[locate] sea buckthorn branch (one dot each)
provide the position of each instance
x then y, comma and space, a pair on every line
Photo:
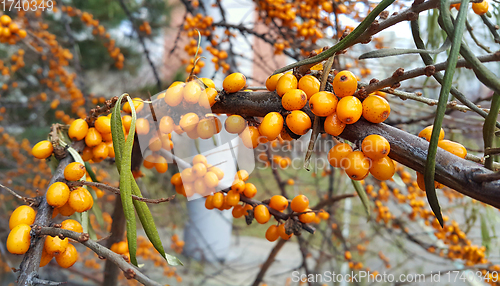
427, 59
475, 39
429, 70
143, 43
111, 270
117, 191
25, 199
492, 28
480, 160
411, 151
480, 178
31, 260
128, 270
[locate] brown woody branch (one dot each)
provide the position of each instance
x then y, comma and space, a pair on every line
130, 271
406, 148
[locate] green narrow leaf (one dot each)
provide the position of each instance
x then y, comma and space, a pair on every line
123, 161
172, 260
362, 195
345, 42
396, 52
485, 235
147, 221
430, 165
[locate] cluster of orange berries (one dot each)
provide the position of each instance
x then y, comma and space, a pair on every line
177, 244
9, 31
372, 158
219, 57
19, 239
225, 201
65, 253
99, 30
202, 178
145, 27
454, 148
98, 139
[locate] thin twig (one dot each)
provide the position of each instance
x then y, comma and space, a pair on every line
117, 191
130, 271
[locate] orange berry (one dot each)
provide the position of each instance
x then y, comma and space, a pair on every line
309, 84
356, 165
174, 94
54, 245
100, 152
285, 83
454, 148
67, 258
199, 170
161, 165
208, 82
199, 186
57, 194
189, 121
480, 8
176, 179
279, 203
272, 233
216, 171
126, 122
250, 137
427, 132
218, 200
209, 202
65, 210
338, 153
261, 214
5, 20
103, 124
323, 215
375, 147
250, 190
242, 175
155, 144
376, 109
42, 149
78, 129
192, 92
238, 186
294, 99
333, 125
93, 137
138, 105
18, 241
299, 204
272, 81
347, 255
349, 109
345, 84
233, 198
142, 126
166, 124
207, 127
199, 159
80, 200
188, 176
382, 169
71, 224
74, 171
298, 122
271, 125
211, 180
235, 124
45, 259
323, 103
307, 217
234, 82
149, 162
208, 97
282, 232
22, 215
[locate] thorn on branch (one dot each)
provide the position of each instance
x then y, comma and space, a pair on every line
486, 177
